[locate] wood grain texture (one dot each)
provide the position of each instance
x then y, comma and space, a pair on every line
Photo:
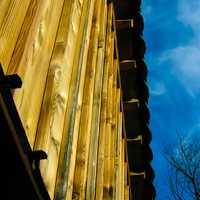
12, 14
100, 166
4, 6
80, 175
122, 169
127, 190
34, 62
118, 158
108, 162
26, 34
115, 112
66, 53
117, 138
64, 185
50, 128
92, 162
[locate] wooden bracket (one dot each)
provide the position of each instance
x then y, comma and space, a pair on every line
127, 65
124, 24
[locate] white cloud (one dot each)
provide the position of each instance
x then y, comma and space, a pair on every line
157, 88
189, 13
186, 66
186, 59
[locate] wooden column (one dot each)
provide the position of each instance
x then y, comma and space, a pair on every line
81, 167
12, 14
70, 103
67, 159
52, 116
34, 61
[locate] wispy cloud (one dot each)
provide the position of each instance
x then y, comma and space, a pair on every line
186, 66
189, 13
172, 33
157, 88
185, 58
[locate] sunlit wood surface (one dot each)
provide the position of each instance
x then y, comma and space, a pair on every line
70, 103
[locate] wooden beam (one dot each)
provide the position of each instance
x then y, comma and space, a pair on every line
130, 105
50, 128
80, 175
65, 176
127, 191
118, 158
122, 168
137, 174
104, 39
139, 138
108, 162
124, 23
12, 14
127, 65
93, 160
34, 63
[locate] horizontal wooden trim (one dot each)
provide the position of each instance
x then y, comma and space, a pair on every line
127, 64
124, 23
132, 101
139, 138
137, 174
128, 105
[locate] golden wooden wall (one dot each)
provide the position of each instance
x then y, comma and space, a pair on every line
70, 105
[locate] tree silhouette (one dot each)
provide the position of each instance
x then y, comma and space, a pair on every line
184, 173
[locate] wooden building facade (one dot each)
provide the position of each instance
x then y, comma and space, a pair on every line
73, 96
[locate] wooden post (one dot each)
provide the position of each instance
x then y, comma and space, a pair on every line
12, 15
92, 162
101, 146
50, 128
80, 175
122, 168
118, 158
116, 110
127, 191
107, 190
34, 63
67, 159
66, 53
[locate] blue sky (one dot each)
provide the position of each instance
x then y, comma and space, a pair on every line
172, 35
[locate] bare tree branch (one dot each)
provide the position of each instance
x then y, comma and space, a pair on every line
184, 177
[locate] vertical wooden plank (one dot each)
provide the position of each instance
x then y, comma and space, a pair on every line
107, 130
80, 175
50, 128
115, 107
127, 189
26, 34
64, 185
11, 19
125, 178
104, 39
108, 172
118, 137
92, 163
34, 63
122, 168
4, 6
119, 158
